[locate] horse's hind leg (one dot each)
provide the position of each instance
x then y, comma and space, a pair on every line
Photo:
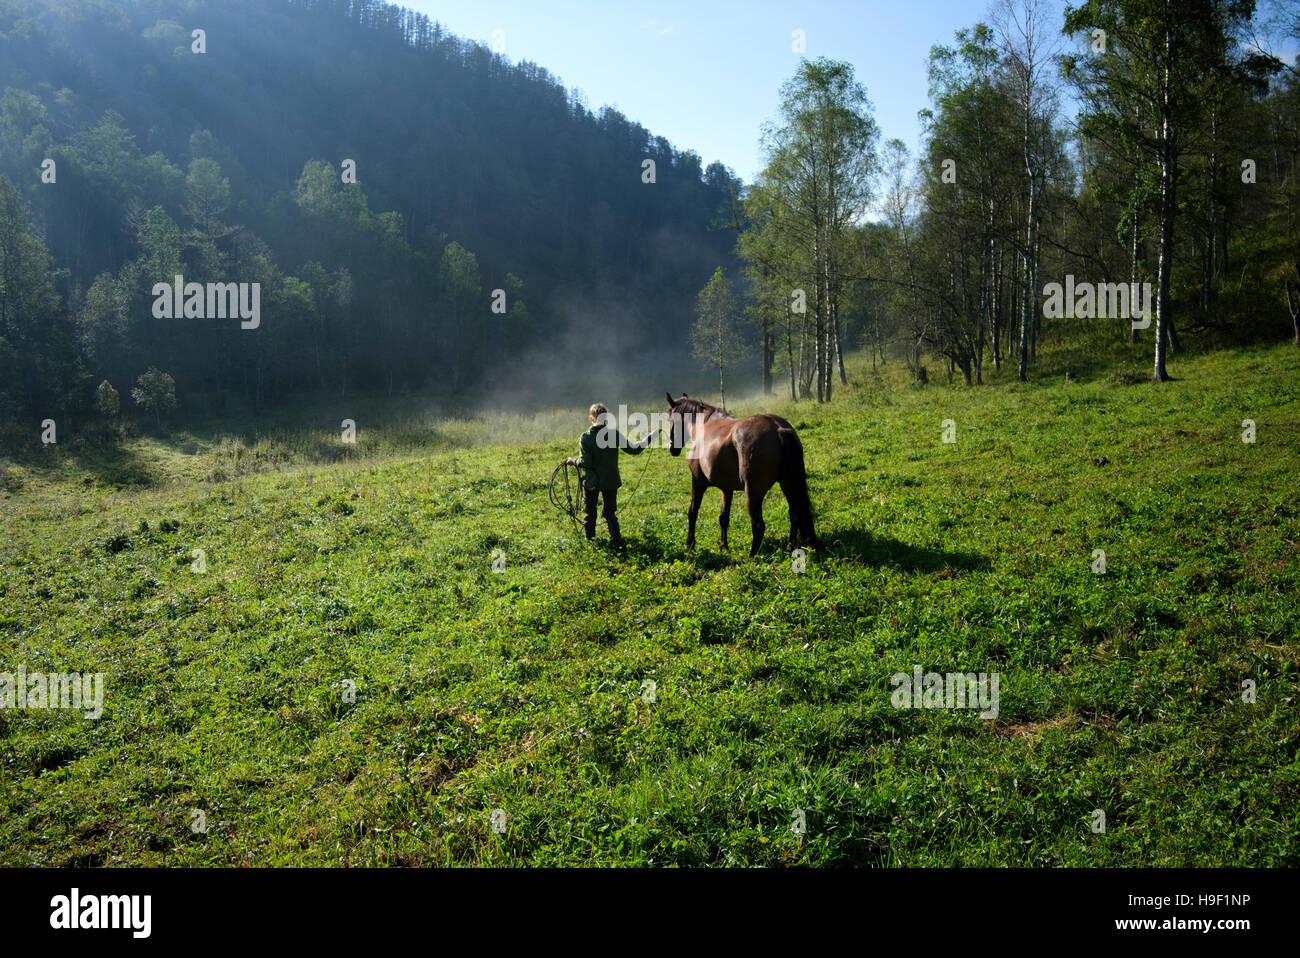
798, 521
809, 534
754, 494
724, 517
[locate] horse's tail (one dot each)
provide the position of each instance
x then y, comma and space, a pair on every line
794, 483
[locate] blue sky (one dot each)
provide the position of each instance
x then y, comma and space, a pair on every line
707, 74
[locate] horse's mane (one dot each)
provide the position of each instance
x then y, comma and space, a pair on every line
696, 407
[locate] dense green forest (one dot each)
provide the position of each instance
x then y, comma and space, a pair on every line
230, 164
419, 214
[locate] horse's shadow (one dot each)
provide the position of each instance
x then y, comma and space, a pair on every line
855, 544
884, 551
653, 547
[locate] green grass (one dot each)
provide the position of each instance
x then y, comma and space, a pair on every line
523, 690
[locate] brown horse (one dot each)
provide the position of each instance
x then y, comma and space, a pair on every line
752, 454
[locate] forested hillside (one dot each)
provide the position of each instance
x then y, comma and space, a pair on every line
133, 150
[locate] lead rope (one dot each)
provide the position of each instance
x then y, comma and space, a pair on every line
645, 468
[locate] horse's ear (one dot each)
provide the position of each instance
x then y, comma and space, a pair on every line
684, 395
671, 401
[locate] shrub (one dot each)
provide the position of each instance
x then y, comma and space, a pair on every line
155, 392
107, 401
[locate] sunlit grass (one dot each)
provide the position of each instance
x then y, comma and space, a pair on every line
526, 690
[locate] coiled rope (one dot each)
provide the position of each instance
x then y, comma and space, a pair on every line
563, 499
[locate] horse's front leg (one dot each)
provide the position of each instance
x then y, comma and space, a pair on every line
697, 496
724, 517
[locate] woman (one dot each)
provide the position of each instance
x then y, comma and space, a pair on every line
598, 457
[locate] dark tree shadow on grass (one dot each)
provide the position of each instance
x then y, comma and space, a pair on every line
101, 459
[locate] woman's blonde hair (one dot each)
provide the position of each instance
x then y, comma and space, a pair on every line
597, 412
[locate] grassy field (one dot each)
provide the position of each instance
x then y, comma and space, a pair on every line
526, 690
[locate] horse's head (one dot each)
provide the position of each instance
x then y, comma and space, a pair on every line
677, 424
